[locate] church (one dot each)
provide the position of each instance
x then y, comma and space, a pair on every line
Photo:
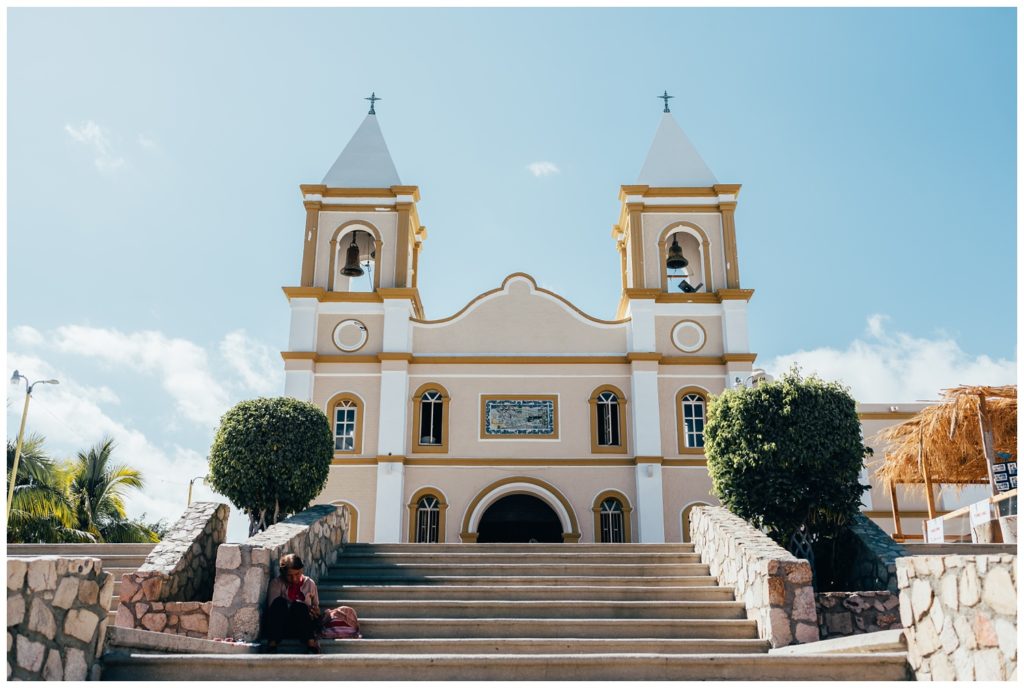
520, 417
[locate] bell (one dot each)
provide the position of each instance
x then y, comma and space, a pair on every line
675, 256
352, 268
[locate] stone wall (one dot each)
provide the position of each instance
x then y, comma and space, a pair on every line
873, 556
244, 570
850, 613
960, 616
162, 595
774, 585
56, 617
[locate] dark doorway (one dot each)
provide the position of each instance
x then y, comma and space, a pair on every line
519, 518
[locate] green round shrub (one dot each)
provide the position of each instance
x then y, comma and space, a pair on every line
271, 457
787, 454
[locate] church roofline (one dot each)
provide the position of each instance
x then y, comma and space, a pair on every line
347, 192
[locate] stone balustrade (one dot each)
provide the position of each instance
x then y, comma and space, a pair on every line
959, 613
774, 585
244, 570
56, 617
170, 592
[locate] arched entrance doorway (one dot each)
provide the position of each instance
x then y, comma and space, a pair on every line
519, 518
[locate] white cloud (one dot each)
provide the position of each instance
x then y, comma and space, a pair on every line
893, 367
98, 139
148, 143
29, 336
181, 366
542, 168
256, 363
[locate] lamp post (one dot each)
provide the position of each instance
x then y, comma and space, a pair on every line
15, 379
190, 483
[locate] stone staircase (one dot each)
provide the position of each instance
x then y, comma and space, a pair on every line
525, 612
118, 558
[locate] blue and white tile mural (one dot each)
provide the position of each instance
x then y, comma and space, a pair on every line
519, 417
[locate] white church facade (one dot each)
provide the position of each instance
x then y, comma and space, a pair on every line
520, 416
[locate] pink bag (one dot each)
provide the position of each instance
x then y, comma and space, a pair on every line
340, 622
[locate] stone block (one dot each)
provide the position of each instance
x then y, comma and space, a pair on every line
229, 557
839, 623
999, 592
804, 608
218, 627
198, 622
920, 597
255, 586
15, 610
988, 666
30, 654
106, 589
101, 636
75, 667
776, 591
152, 587
54, 668
947, 592
963, 665
88, 592
964, 633
67, 590
779, 633
154, 622
926, 638
81, 623
969, 586
124, 618
948, 638
246, 623
42, 574
942, 668
16, 569
129, 588
40, 619
1006, 631
984, 631
225, 588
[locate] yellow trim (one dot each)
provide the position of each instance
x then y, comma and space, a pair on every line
390, 458
572, 536
502, 288
621, 447
331, 407
638, 460
544, 360
732, 261
353, 522
413, 191
303, 292
394, 356
686, 519
642, 356
309, 244
686, 463
677, 191
525, 360
705, 249
441, 448
442, 505
692, 360
353, 462
403, 246
341, 358
636, 245
887, 415
739, 358
672, 336
627, 515
487, 463
735, 294
299, 356
680, 429
484, 398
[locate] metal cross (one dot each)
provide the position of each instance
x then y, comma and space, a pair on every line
665, 97
373, 98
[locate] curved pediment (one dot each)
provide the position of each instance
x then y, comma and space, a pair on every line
519, 318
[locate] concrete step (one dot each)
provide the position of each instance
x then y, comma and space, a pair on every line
365, 571
358, 593
511, 547
80, 550
527, 558
484, 667
396, 628
334, 578
511, 646
540, 609
892, 640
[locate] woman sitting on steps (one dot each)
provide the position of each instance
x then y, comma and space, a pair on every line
293, 606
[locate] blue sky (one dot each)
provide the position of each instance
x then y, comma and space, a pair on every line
154, 158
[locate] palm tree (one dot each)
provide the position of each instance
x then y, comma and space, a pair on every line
40, 509
96, 488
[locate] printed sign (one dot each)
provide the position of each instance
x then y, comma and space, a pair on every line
981, 513
933, 531
1004, 472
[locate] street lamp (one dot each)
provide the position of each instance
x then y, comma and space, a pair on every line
15, 379
190, 483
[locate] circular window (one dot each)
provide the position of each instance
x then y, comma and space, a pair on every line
350, 335
688, 336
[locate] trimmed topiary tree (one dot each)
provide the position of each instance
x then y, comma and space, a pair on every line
271, 458
786, 456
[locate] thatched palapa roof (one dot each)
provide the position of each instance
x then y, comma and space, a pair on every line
948, 437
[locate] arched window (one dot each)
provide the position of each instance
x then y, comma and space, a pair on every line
611, 517
430, 419
427, 516
607, 421
691, 414
346, 414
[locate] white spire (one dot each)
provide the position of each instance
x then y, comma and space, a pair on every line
672, 159
365, 162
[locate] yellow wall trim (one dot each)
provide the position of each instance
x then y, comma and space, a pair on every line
642, 356
391, 459
739, 358
490, 463
886, 415
735, 294
649, 459
299, 355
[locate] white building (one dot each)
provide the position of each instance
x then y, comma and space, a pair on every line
520, 416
